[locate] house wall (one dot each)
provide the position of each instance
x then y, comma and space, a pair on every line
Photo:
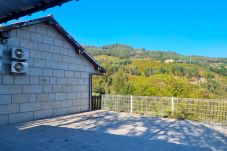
57, 82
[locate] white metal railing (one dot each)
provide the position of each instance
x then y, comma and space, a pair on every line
207, 110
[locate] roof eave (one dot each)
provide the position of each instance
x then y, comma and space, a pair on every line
39, 7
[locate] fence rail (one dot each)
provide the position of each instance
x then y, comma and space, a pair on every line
206, 110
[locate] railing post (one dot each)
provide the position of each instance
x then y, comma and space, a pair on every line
172, 102
131, 104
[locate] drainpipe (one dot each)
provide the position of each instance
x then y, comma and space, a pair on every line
90, 91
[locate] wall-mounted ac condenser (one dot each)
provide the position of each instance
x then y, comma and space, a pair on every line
19, 67
19, 54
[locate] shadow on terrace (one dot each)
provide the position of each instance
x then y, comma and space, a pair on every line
110, 131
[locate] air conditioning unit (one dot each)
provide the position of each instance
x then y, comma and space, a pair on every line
19, 54
19, 67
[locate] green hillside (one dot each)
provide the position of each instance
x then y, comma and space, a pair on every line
159, 73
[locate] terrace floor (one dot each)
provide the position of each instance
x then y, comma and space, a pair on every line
111, 131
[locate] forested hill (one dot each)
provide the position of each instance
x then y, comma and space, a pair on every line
125, 52
161, 73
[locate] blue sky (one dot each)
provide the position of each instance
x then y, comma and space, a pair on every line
190, 27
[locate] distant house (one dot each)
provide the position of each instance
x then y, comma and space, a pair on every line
44, 72
169, 61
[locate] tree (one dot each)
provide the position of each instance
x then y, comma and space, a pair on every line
178, 70
134, 71
163, 70
120, 82
213, 86
148, 71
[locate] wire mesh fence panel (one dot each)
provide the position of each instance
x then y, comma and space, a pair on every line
202, 109
155, 106
206, 110
116, 103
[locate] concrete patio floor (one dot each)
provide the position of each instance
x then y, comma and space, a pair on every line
111, 131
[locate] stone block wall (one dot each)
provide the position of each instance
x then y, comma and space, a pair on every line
57, 82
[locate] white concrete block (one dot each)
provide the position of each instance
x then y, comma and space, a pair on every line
60, 96
77, 75
73, 67
35, 71
62, 65
48, 72
51, 64
74, 109
32, 88
27, 107
21, 79
84, 75
44, 80
24, 43
46, 55
23, 34
32, 98
71, 96
13, 42
20, 117
43, 47
68, 59
61, 80
8, 79
35, 54
42, 29
39, 63
42, 97
60, 111
67, 45
50, 105
57, 88
36, 37
71, 81
64, 51
84, 95
34, 79
51, 97
57, 57
43, 114
69, 74
47, 88
5, 99
58, 42
66, 103
20, 98
54, 49
48, 40
10, 89
53, 80
9, 109
84, 108
66, 88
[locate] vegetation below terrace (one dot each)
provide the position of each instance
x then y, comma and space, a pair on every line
133, 71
